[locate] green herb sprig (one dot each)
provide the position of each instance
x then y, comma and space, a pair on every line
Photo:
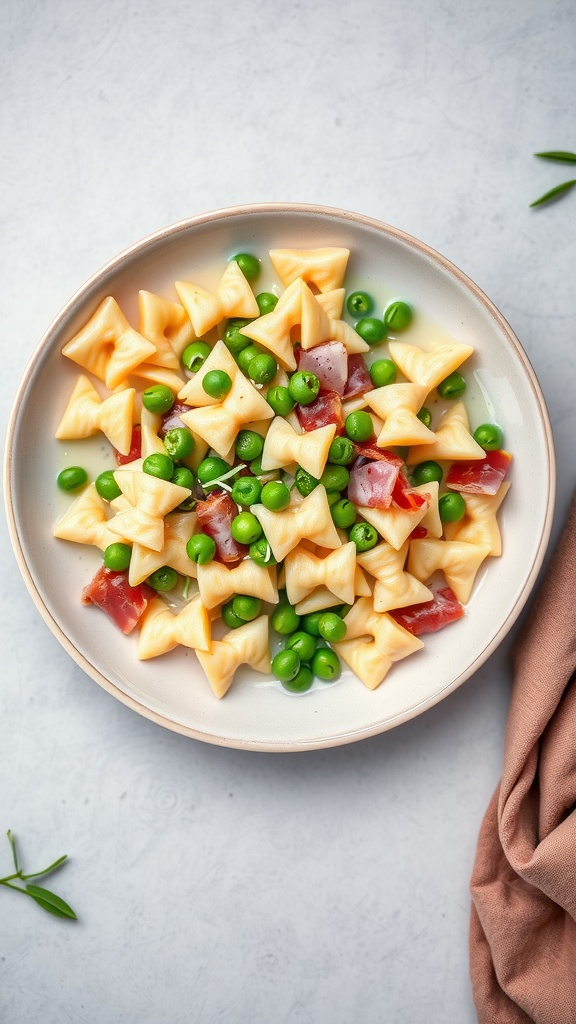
559, 156
43, 897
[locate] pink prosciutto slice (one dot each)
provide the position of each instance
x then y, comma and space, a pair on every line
479, 477
330, 364
373, 484
405, 497
215, 516
111, 592
358, 380
171, 419
430, 616
325, 409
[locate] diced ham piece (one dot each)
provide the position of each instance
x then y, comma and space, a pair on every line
171, 419
479, 477
430, 616
372, 484
330, 364
358, 377
325, 409
135, 448
111, 592
215, 516
405, 497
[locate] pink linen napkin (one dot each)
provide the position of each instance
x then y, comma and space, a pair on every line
523, 922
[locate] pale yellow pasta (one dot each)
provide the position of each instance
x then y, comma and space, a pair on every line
86, 414
372, 659
108, 346
397, 406
394, 588
309, 519
150, 499
86, 521
324, 267
178, 528
453, 440
457, 560
429, 366
480, 525
314, 321
283, 447
321, 597
152, 374
273, 330
343, 332
167, 325
394, 524
217, 583
203, 308
431, 521
305, 572
247, 645
161, 630
236, 296
220, 358
332, 302
219, 424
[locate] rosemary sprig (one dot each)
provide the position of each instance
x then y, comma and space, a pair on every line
43, 897
559, 156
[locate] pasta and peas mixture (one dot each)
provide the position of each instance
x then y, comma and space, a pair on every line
272, 474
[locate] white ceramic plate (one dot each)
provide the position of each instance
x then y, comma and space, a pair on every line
255, 713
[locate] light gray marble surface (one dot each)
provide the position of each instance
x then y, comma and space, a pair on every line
214, 885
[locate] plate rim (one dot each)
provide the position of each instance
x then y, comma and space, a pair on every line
165, 234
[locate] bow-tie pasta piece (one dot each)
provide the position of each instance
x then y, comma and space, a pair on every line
309, 519
397, 406
283, 447
324, 267
394, 588
86, 521
234, 298
178, 528
453, 440
161, 630
220, 358
305, 571
321, 597
150, 500
457, 560
429, 366
86, 414
247, 645
480, 525
108, 346
219, 424
273, 330
395, 524
372, 659
332, 302
167, 325
217, 584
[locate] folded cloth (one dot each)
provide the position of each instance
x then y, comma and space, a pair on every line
523, 923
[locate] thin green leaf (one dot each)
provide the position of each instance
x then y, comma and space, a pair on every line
50, 902
46, 871
554, 193
560, 155
12, 841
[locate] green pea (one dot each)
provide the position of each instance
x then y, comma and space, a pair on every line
249, 265
201, 548
397, 315
302, 680
246, 490
383, 372
425, 416
245, 528
331, 627
266, 302
216, 383
426, 472
284, 618
249, 445
304, 386
163, 579
452, 386
280, 400
364, 536
371, 330
309, 623
262, 368
161, 466
245, 357
451, 507
183, 477
286, 666
303, 643
359, 304
211, 468
343, 513
341, 451
234, 341
246, 607
179, 443
117, 556
158, 399
305, 482
326, 664
106, 485
261, 553
489, 436
334, 477
275, 496
230, 618
73, 477
195, 355
359, 426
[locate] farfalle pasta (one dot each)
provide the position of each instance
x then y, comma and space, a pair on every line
297, 482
